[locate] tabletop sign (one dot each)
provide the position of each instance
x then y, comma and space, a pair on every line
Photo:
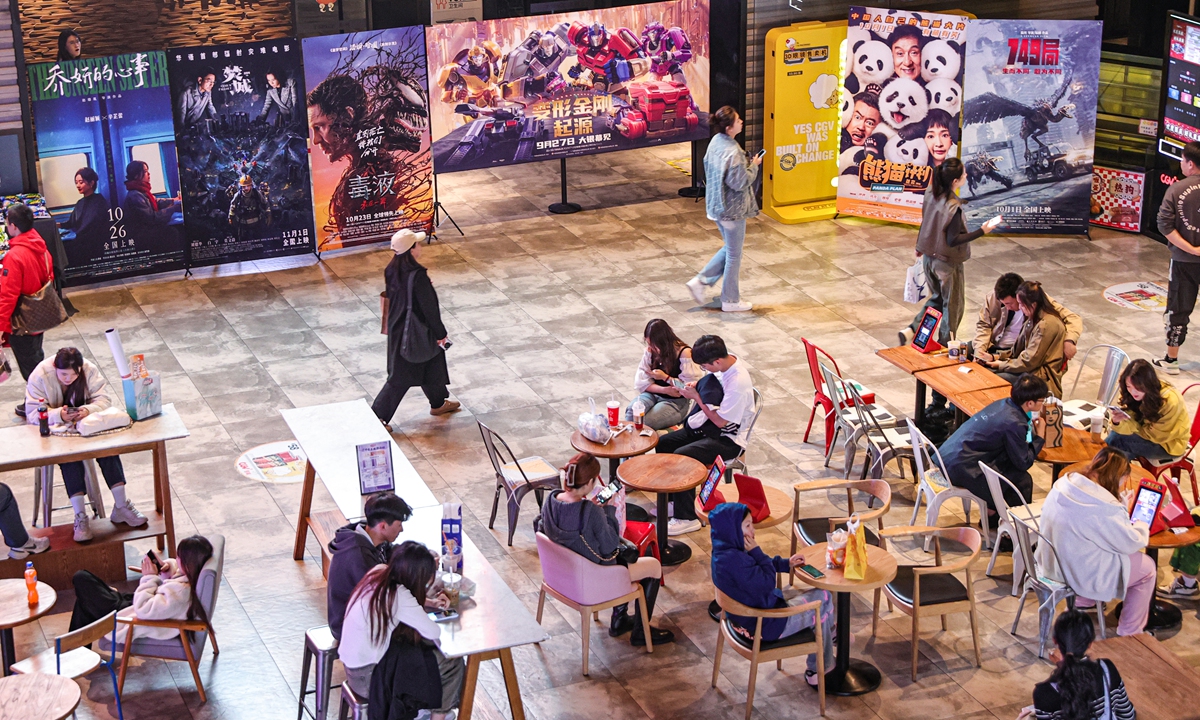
375, 467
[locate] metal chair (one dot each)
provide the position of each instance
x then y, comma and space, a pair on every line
320, 643
884, 442
71, 657
1031, 512
821, 396
43, 492
353, 705
930, 487
1109, 377
846, 418
739, 462
516, 478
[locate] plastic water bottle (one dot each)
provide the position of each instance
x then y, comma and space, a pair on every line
31, 583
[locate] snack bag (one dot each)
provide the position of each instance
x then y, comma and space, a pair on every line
856, 549
594, 426
835, 549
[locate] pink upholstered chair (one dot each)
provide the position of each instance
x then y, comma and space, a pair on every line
587, 587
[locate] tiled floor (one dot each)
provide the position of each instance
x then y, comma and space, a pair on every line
546, 311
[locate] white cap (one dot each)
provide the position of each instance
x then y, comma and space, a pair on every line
405, 239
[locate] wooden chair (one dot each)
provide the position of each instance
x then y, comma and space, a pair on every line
934, 590
761, 651
70, 656
515, 478
178, 648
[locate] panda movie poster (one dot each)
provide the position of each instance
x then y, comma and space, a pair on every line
243, 156
901, 100
1029, 123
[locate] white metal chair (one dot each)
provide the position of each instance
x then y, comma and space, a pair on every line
739, 462
1076, 408
1030, 512
846, 420
933, 492
516, 478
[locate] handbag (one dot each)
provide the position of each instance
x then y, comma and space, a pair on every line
417, 344
39, 312
384, 306
5, 367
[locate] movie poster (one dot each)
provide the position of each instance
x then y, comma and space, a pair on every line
107, 165
368, 115
535, 88
901, 101
241, 133
1029, 123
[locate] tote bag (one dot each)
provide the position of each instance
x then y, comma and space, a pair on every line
417, 344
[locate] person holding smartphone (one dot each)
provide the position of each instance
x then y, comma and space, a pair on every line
741, 570
1152, 420
1079, 688
666, 366
575, 518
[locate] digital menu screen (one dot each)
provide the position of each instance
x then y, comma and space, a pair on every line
1181, 117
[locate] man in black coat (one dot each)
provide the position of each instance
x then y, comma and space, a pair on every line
360, 546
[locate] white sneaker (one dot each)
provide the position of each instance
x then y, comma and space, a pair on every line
83, 529
736, 307
128, 515
1178, 588
33, 547
697, 289
682, 527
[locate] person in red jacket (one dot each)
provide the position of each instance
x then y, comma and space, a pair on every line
25, 269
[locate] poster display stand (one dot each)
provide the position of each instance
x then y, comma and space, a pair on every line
564, 207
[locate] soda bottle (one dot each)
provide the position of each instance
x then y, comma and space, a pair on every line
31, 583
43, 420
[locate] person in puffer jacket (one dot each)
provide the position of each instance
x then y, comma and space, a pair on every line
741, 570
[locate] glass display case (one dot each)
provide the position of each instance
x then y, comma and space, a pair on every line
1129, 94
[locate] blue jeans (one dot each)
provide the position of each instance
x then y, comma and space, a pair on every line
662, 411
805, 620
727, 263
1136, 446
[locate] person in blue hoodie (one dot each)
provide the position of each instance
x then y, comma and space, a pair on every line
741, 570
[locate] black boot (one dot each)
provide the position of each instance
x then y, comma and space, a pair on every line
638, 637
621, 622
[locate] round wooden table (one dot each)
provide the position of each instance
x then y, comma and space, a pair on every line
38, 696
1078, 448
15, 610
779, 502
626, 445
664, 474
849, 677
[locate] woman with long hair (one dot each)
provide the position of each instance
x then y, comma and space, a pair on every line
72, 388
1099, 548
1039, 346
390, 602
1079, 688
1152, 420
406, 277
146, 215
70, 46
729, 176
667, 360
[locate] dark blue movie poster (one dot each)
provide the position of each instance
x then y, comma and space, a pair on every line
107, 164
241, 128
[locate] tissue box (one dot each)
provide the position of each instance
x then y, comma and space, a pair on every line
143, 396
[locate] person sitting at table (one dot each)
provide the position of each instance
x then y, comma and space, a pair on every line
1079, 688
393, 598
1001, 320
1003, 437
711, 431
168, 593
73, 388
1038, 348
19, 542
1152, 420
666, 358
573, 518
1099, 548
741, 570
359, 546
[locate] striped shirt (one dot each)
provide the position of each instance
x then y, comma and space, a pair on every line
1047, 702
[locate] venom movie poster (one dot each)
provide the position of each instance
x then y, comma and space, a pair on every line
368, 119
241, 129
1029, 123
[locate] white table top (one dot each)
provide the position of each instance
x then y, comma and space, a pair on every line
21, 446
329, 435
494, 618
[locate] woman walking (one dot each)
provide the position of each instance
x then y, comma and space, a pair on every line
405, 277
729, 176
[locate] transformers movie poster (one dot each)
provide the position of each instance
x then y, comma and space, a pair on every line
901, 99
1029, 123
552, 86
368, 120
107, 166
240, 130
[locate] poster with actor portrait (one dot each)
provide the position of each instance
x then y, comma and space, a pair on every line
241, 135
107, 164
901, 101
368, 119
1029, 123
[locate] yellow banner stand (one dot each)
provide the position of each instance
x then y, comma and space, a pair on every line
802, 128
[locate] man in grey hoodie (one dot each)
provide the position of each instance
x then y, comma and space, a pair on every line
1179, 222
360, 546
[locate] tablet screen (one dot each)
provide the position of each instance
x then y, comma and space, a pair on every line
710, 483
1146, 505
928, 323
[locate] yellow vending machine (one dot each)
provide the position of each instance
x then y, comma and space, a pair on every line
802, 120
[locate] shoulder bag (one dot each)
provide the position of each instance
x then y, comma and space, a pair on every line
39, 312
417, 343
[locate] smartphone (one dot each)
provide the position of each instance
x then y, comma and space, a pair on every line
154, 559
607, 492
811, 571
996, 220
440, 616
761, 153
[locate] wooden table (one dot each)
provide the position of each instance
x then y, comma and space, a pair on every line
912, 361
15, 610
1078, 447
38, 696
1158, 683
779, 503
970, 403
664, 474
23, 447
626, 445
490, 623
328, 434
849, 677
